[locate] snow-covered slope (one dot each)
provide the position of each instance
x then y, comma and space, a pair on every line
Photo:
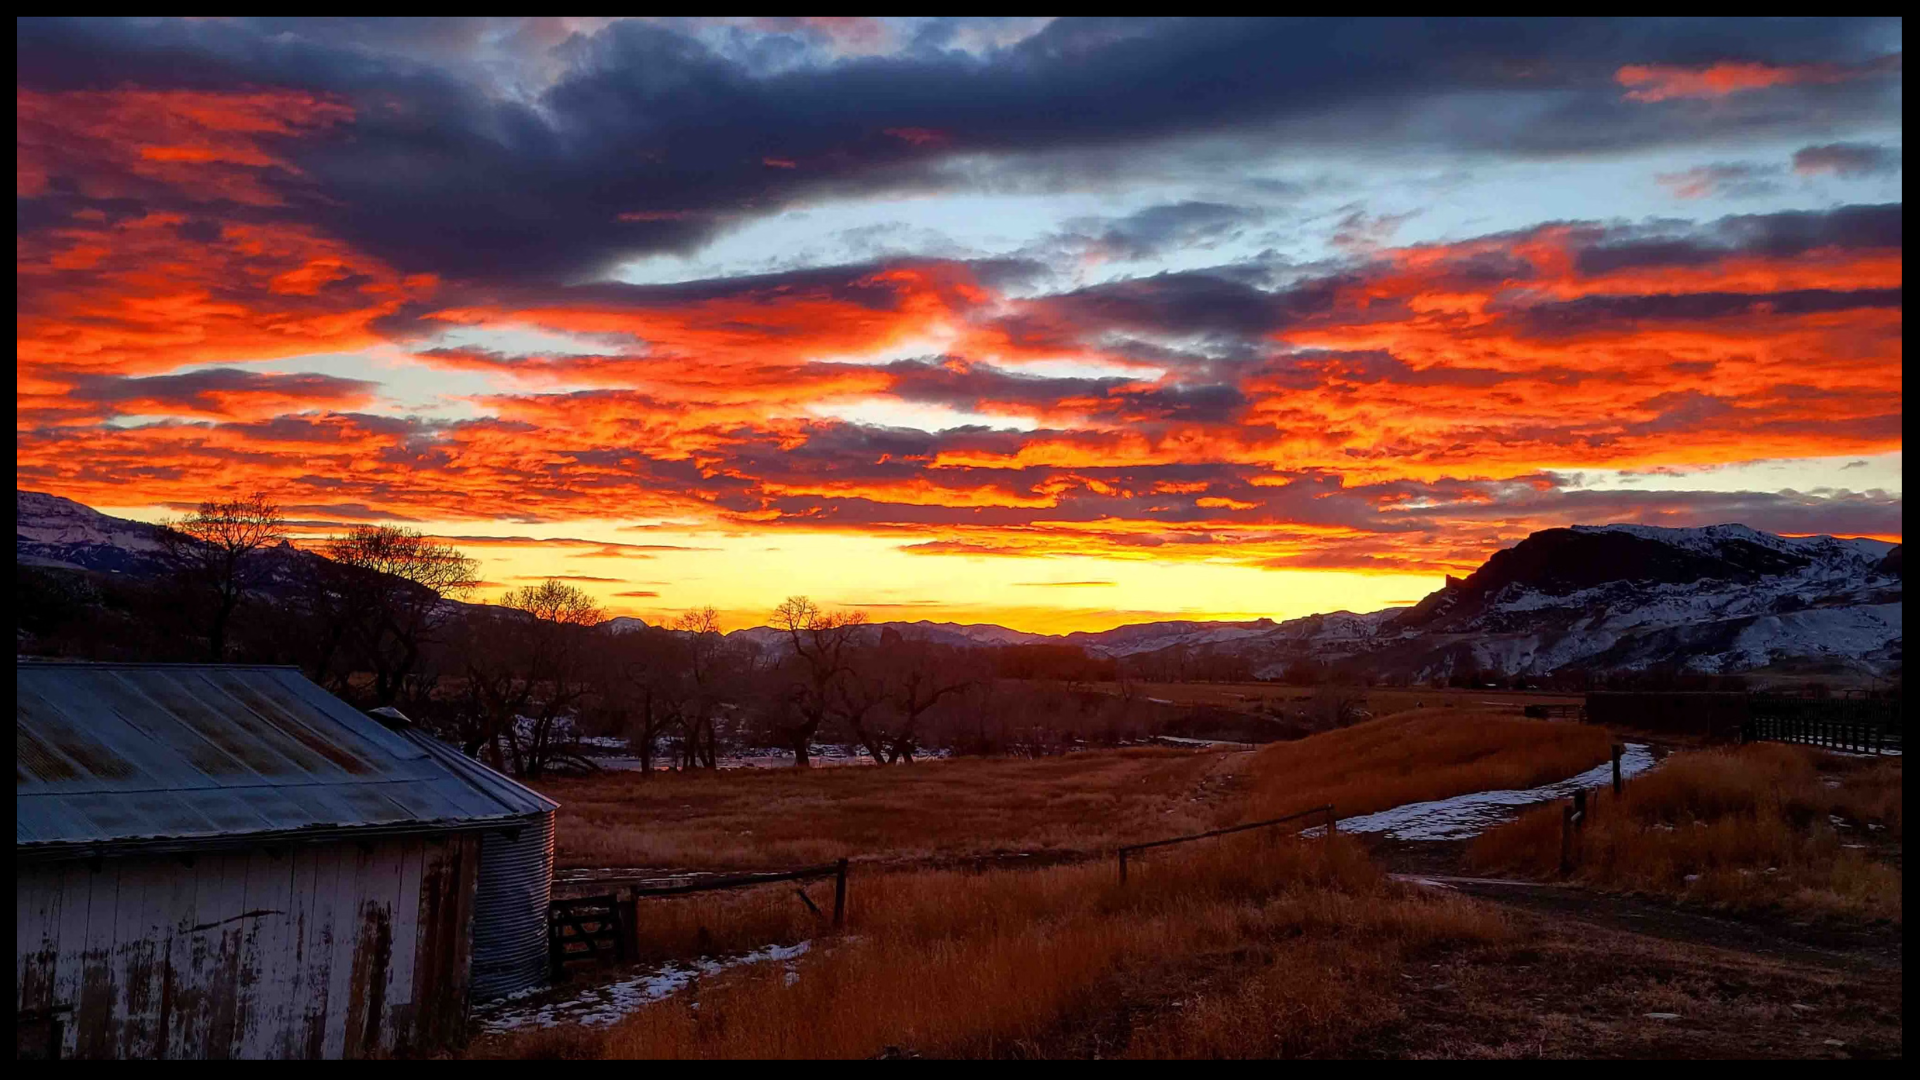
1719, 598
52, 531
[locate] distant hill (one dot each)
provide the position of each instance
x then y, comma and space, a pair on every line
1717, 599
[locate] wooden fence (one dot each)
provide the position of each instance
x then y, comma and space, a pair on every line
603, 928
1132, 848
1864, 725
1573, 816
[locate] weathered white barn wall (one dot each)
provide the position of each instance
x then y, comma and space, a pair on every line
340, 949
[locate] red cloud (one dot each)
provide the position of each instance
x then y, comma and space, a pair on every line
919, 136
1664, 82
1372, 418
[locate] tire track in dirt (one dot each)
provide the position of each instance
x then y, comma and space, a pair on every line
1841, 948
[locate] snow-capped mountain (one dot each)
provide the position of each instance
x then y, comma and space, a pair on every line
1723, 598
59, 533
53, 531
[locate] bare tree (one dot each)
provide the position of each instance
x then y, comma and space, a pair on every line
822, 644
531, 661
382, 597
919, 679
707, 670
888, 687
212, 549
860, 696
642, 687
1337, 702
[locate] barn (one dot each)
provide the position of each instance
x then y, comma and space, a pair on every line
217, 861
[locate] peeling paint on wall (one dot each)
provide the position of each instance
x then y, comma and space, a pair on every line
323, 950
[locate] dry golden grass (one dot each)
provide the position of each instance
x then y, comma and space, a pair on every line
1326, 975
776, 818
1744, 828
1419, 755
947, 963
1078, 803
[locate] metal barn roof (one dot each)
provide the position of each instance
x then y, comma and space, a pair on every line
113, 754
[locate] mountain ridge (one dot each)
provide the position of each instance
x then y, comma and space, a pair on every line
1715, 598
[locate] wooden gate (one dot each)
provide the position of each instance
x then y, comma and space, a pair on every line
585, 928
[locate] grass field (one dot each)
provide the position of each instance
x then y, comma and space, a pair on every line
1763, 826
1081, 802
1007, 963
1256, 945
1418, 755
770, 818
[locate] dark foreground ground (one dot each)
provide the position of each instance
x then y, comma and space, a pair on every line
1591, 975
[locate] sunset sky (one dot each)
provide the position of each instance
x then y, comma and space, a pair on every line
1058, 324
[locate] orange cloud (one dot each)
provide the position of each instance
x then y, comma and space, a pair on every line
1665, 82
1370, 420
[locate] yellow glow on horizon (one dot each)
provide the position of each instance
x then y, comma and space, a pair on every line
744, 575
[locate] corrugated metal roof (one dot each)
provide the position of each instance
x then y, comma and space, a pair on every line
118, 753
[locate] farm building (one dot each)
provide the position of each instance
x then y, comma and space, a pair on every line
228, 862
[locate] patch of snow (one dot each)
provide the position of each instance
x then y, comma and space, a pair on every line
1884, 752
594, 1006
1464, 816
1178, 741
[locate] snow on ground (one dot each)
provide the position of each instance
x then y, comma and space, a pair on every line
1884, 752
1179, 741
608, 1003
823, 756
1464, 816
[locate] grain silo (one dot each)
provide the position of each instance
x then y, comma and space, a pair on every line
220, 861
515, 886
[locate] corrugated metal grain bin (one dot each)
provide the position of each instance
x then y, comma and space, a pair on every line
514, 893
510, 909
227, 862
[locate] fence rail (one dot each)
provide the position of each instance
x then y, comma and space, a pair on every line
605, 927
835, 870
1133, 848
1834, 734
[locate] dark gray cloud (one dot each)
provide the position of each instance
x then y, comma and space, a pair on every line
1776, 236
640, 138
221, 390
1724, 179
1846, 159
1160, 229
1588, 312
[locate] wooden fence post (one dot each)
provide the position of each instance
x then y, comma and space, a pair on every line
840, 895
1580, 809
1617, 751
